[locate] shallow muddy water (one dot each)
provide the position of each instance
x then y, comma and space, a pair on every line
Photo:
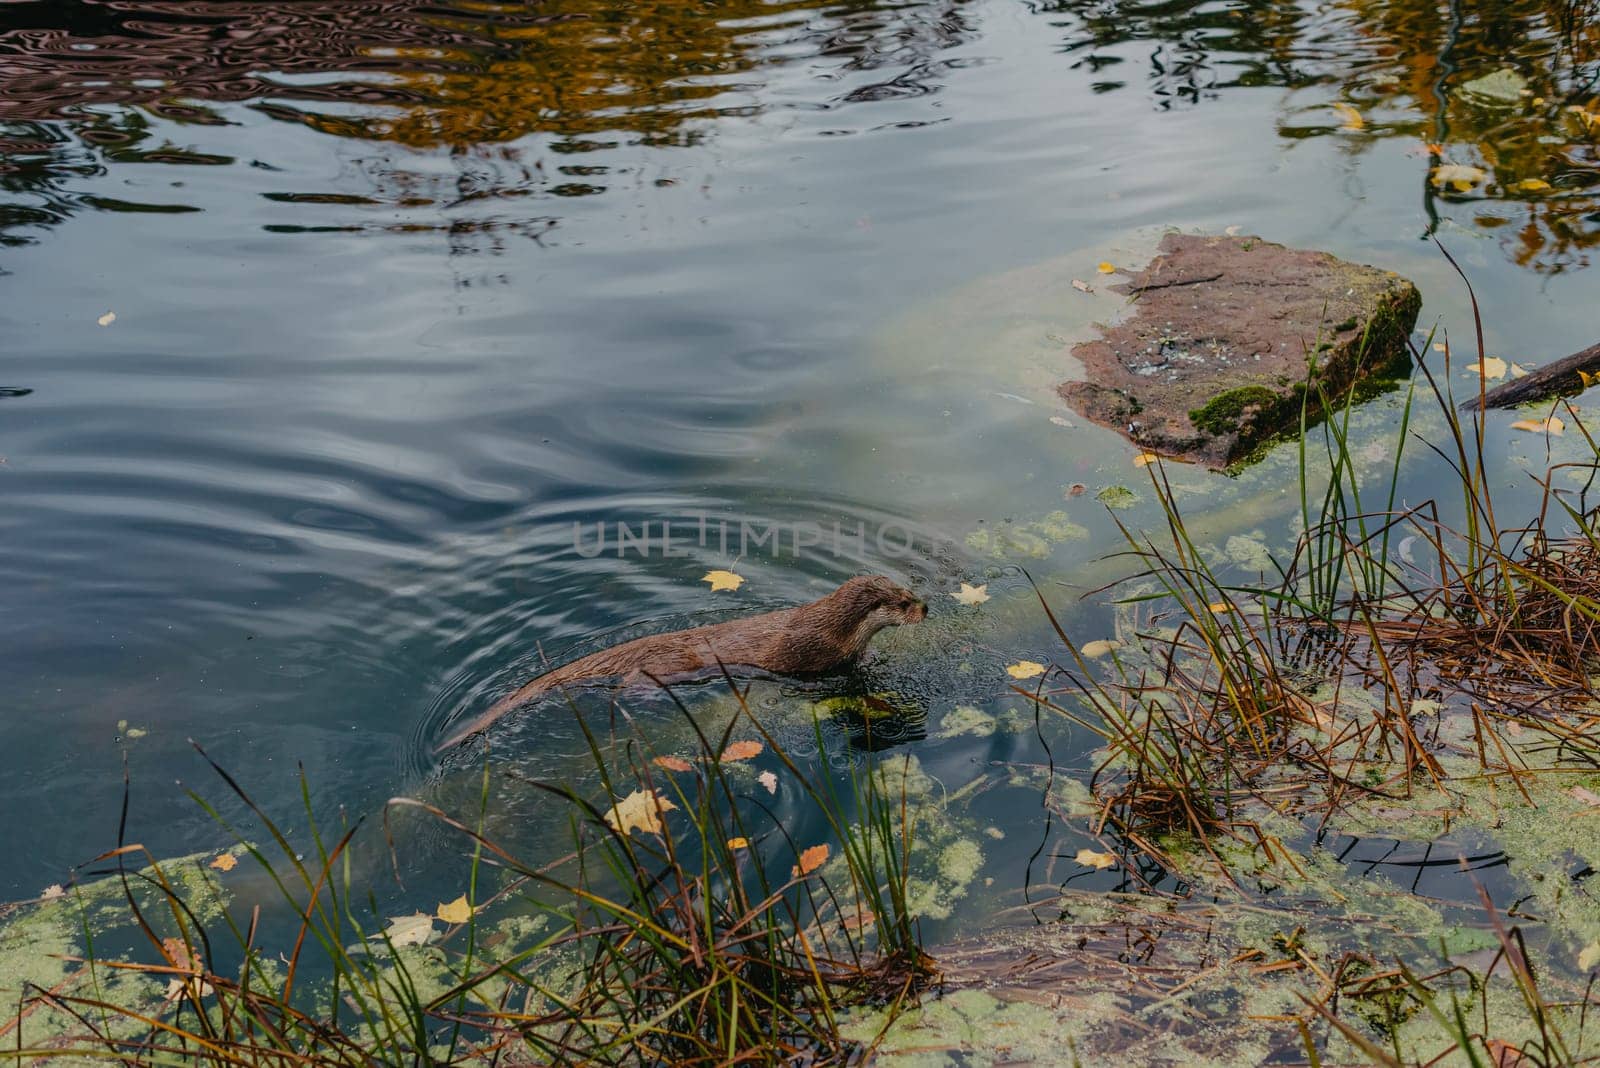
338, 336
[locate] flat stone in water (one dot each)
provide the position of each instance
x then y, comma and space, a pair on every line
1224, 334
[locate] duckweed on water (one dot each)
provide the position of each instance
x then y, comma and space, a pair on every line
1031, 540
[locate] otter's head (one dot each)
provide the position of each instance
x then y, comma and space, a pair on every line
868, 603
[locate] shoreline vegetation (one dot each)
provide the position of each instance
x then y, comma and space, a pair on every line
1398, 676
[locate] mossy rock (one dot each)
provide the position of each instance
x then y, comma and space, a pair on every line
1226, 337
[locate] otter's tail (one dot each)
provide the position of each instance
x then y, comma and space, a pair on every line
508, 704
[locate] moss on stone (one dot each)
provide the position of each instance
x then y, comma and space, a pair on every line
1222, 414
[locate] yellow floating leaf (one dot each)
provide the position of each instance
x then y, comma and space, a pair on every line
1491, 367
225, 862
742, 750
811, 860
739, 843
1090, 858
1220, 606
1531, 185
1457, 176
1145, 459
722, 580
1106, 267
1440, 346
1099, 647
1587, 379
972, 595
107, 319
1589, 957
1025, 669
457, 911
672, 763
1552, 426
1352, 117
640, 811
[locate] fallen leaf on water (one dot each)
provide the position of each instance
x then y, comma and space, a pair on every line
1504, 1053
1081, 286
1433, 148
742, 750
1059, 420
1145, 459
1233, 231
1219, 606
1077, 489
1587, 379
722, 580
1099, 647
858, 920
1518, 371
811, 860
739, 843
1587, 797
639, 811
1491, 367
1025, 669
413, 930
225, 862
457, 911
1531, 185
672, 763
1352, 117
1552, 426
1439, 346
972, 595
1589, 957
107, 319
1458, 176
176, 950
1092, 859
1106, 267
769, 780
51, 892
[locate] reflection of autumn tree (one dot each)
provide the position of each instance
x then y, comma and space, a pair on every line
473, 77
1407, 66
649, 69
1535, 146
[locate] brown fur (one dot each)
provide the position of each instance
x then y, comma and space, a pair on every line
825, 635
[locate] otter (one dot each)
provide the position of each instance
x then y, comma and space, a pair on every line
812, 639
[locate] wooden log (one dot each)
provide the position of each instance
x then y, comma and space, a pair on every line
1554, 380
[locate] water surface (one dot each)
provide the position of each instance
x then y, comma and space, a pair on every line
403, 291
